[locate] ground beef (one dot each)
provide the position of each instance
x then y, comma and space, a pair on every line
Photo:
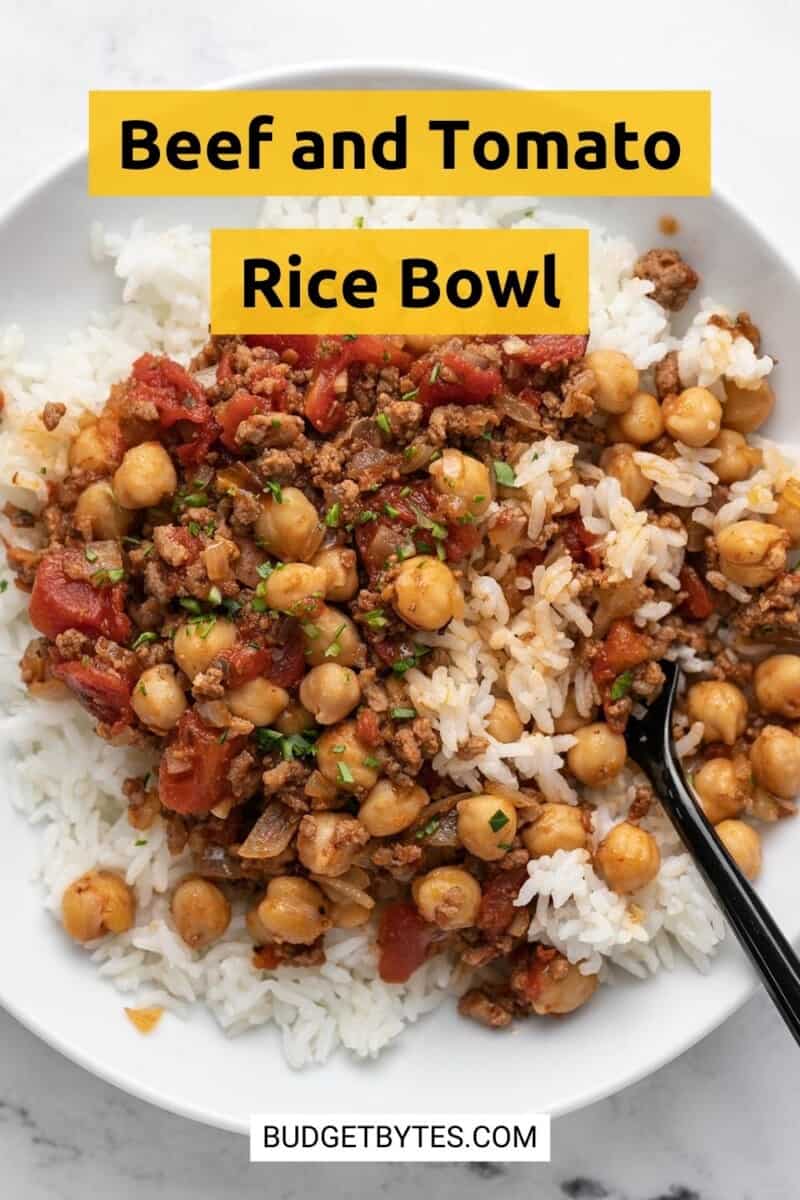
451, 421
398, 858
667, 377
34, 664
776, 612
51, 415
576, 392
243, 775
478, 1005
405, 418
73, 644
674, 279
246, 509
288, 780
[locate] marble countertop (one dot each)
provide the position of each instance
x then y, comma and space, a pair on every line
720, 1122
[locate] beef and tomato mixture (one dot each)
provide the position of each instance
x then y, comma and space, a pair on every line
241, 562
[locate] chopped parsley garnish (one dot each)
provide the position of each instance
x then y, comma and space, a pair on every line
410, 395
621, 685
90, 555
144, 638
365, 516
191, 605
205, 625
194, 528
407, 550
425, 522
504, 474
349, 337
435, 370
332, 515
264, 570
375, 618
406, 491
497, 821
344, 773
292, 745
223, 737
3, 586
391, 511
107, 578
310, 630
339, 748
140, 842
195, 500
214, 595
275, 489
382, 421
371, 761
259, 604
403, 714
358, 223
335, 648
428, 829
231, 606
412, 660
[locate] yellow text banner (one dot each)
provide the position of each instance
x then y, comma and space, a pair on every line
439, 281
203, 143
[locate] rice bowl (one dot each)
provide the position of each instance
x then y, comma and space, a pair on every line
147, 864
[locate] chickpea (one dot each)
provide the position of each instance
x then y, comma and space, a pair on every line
290, 527
341, 573
618, 462
719, 789
616, 380
721, 707
559, 987
487, 825
389, 809
158, 699
694, 417
426, 593
330, 692
642, 423
195, 646
331, 637
737, 459
346, 914
598, 755
465, 478
294, 719
327, 842
746, 409
503, 722
777, 685
92, 450
290, 588
341, 754
99, 902
570, 718
99, 514
201, 912
752, 553
775, 759
787, 514
743, 844
627, 858
293, 910
258, 701
448, 897
145, 476
558, 827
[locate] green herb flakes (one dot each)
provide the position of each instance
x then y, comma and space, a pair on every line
497, 820
621, 685
504, 474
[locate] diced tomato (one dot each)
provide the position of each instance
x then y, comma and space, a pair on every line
231, 414
282, 662
452, 377
581, 545
367, 729
323, 407
395, 515
530, 978
551, 349
624, 647
497, 909
698, 604
527, 563
102, 691
461, 541
204, 782
403, 941
267, 958
180, 400
59, 603
303, 344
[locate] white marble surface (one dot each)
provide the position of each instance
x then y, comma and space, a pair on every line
720, 1123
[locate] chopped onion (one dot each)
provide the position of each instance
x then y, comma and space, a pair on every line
271, 833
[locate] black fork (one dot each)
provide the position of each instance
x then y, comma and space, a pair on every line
650, 745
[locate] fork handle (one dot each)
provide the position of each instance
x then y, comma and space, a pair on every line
767, 948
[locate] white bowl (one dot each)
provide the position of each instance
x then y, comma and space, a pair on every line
445, 1064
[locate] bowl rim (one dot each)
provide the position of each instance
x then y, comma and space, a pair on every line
325, 71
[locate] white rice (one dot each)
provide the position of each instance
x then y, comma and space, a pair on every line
70, 781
